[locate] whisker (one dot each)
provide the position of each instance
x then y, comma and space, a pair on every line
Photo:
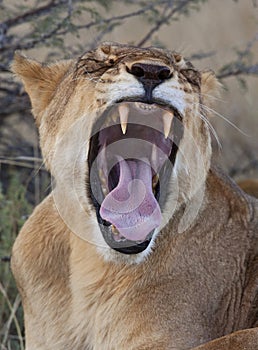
211, 110
88, 76
216, 98
225, 119
211, 128
36, 172
91, 77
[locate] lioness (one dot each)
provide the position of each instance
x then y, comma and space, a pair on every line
141, 244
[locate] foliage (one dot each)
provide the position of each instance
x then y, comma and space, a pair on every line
14, 209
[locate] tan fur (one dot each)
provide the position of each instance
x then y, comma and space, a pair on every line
198, 283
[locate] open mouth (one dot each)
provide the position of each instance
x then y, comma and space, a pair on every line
131, 157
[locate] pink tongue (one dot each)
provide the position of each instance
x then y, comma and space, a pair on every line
131, 206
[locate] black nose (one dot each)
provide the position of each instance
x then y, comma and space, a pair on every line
150, 75
154, 72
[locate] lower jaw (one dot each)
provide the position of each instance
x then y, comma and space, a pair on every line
125, 246
134, 249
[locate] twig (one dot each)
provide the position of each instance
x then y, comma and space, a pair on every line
201, 55
20, 164
29, 159
248, 48
30, 14
157, 26
13, 308
57, 30
103, 21
163, 20
31, 44
238, 70
100, 36
239, 66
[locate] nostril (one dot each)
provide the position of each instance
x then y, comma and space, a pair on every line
150, 72
164, 73
136, 70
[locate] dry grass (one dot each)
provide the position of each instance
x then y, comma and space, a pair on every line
6, 335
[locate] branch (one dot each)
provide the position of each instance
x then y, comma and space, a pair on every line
99, 37
57, 31
27, 16
238, 70
30, 14
164, 19
21, 164
103, 21
241, 65
244, 53
201, 55
43, 38
156, 27
13, 309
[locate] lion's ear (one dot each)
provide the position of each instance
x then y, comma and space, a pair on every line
210, 87
40, 81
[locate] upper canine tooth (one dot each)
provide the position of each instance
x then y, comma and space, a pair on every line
123, 113
167, 121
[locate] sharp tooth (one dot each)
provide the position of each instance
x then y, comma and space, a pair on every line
155, 180
114, 230
123, 113
114, 117
167, 121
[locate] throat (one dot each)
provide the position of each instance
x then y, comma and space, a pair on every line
131, 206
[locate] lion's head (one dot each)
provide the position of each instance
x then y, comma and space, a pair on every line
124, 133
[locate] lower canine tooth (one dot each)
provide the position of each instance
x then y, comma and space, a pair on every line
167, 121
123, 113
114, 230
155, 180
